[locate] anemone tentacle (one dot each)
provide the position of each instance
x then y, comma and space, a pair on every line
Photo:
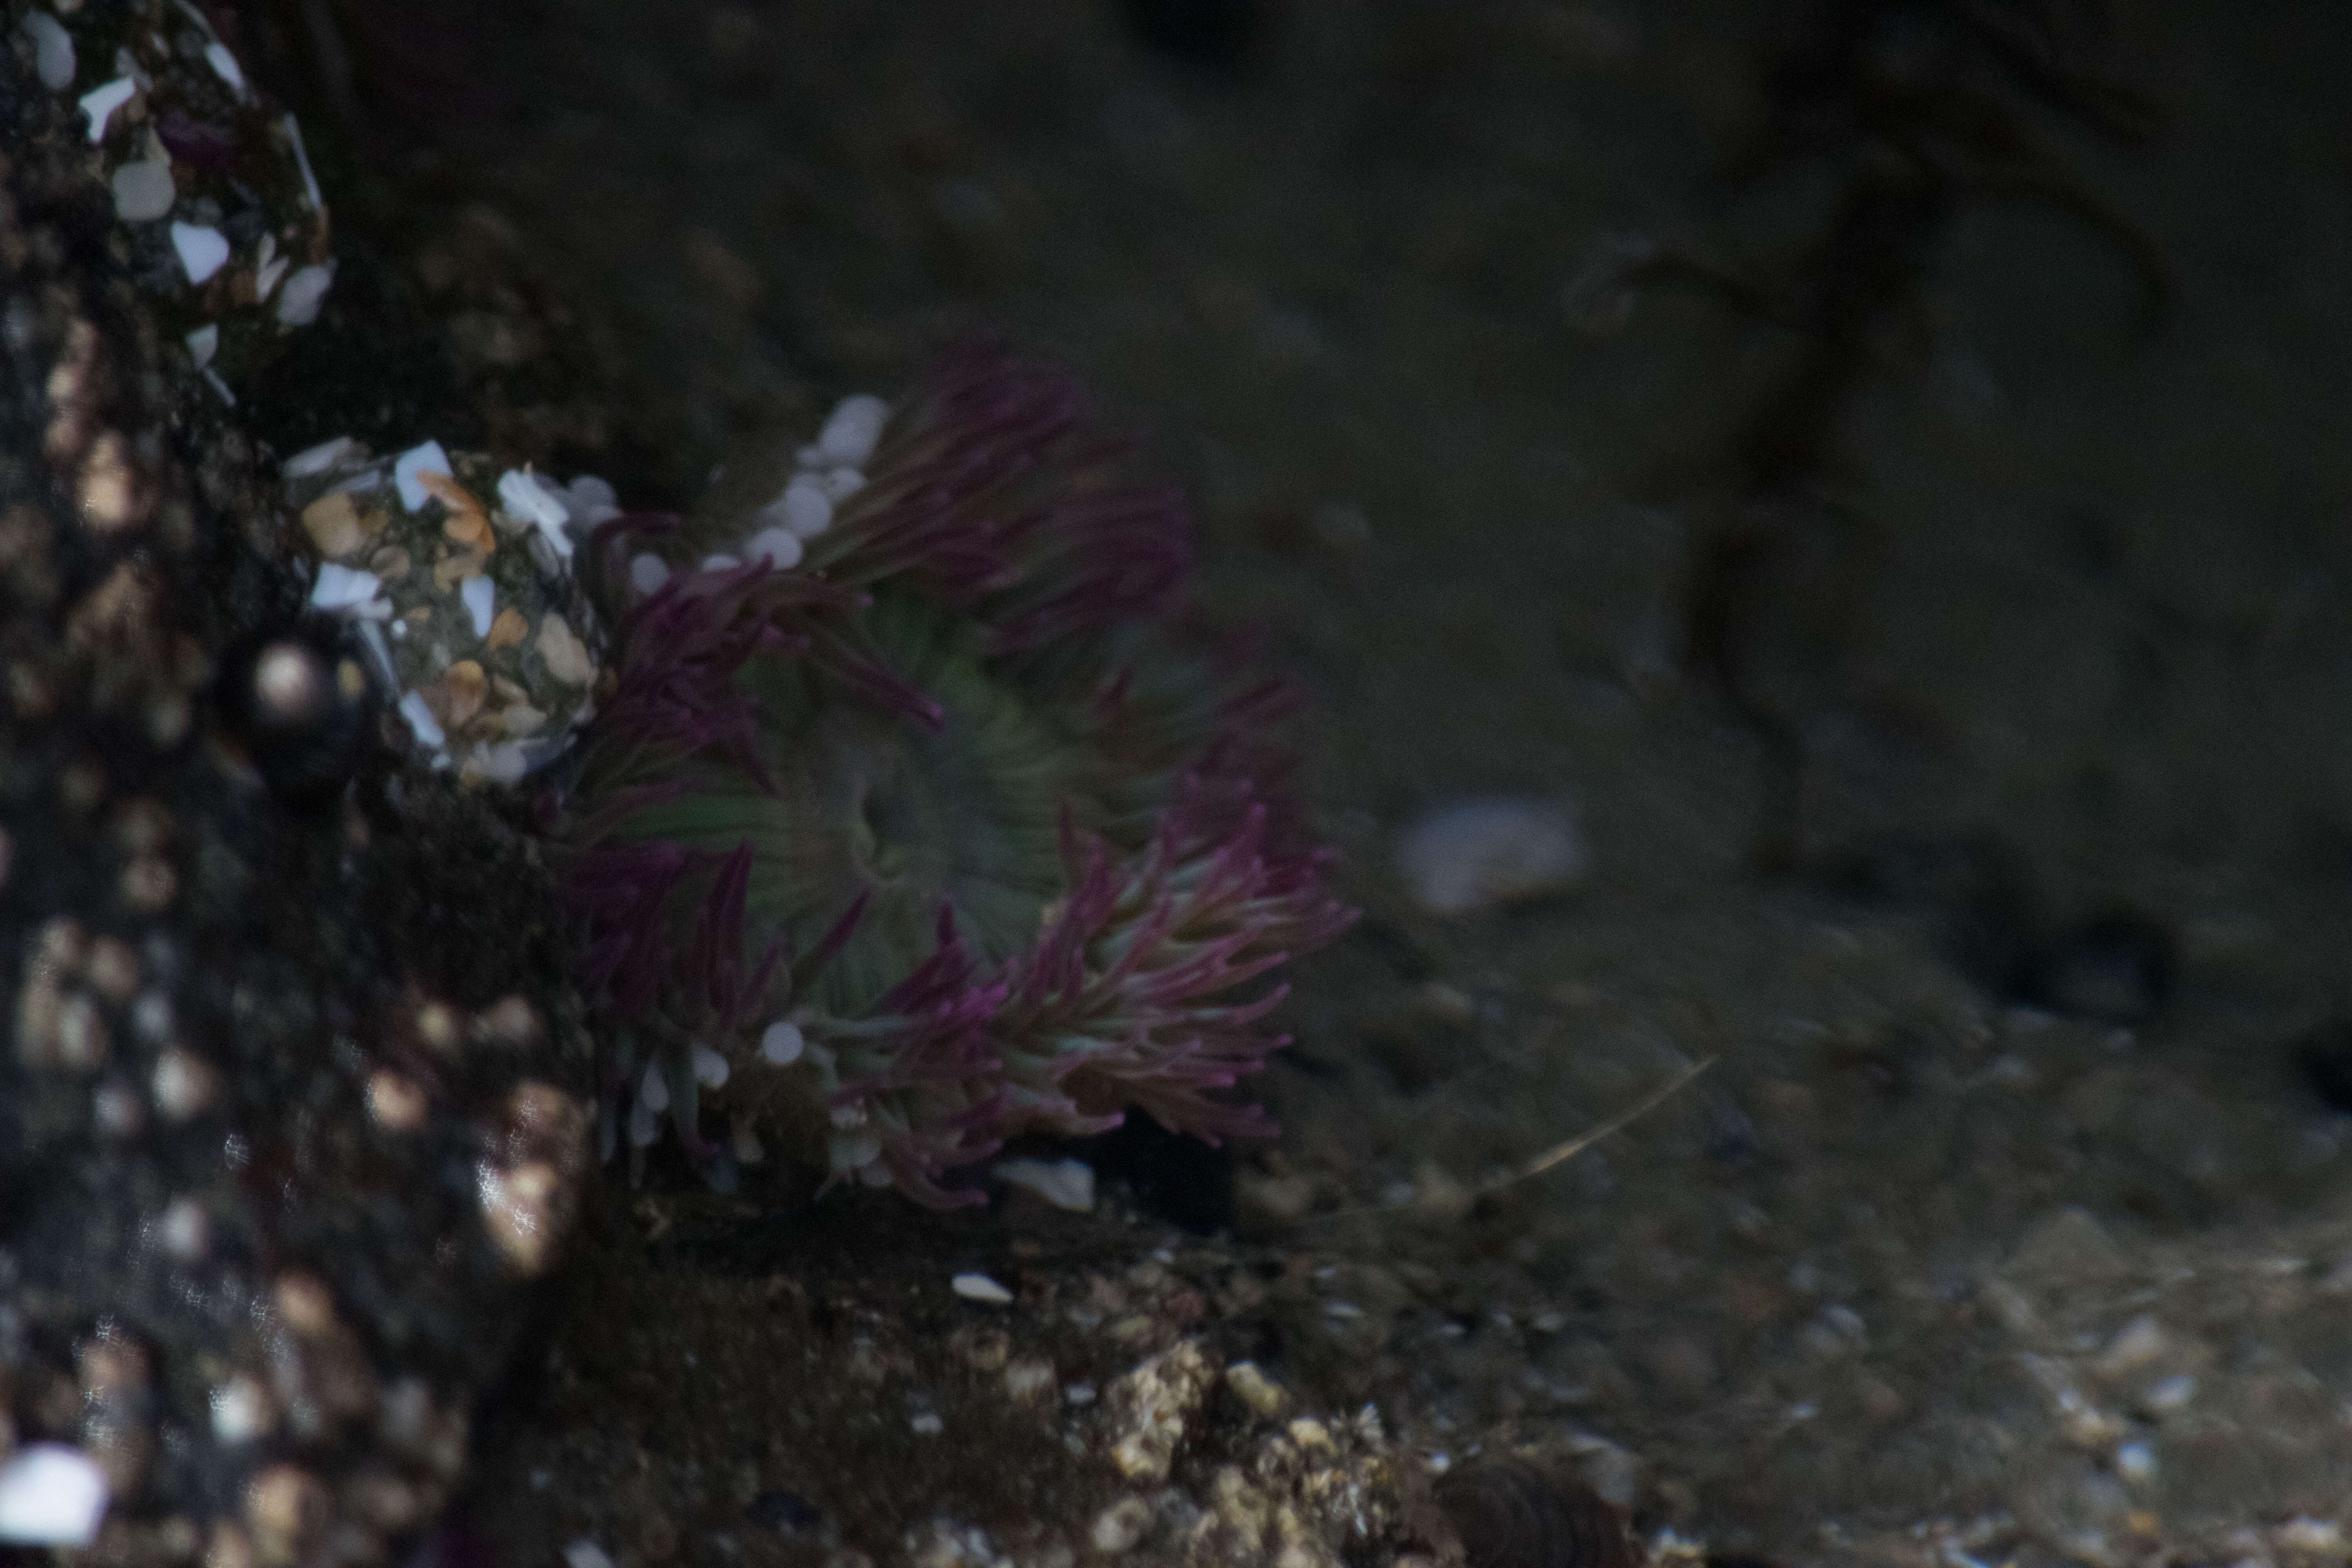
936, 823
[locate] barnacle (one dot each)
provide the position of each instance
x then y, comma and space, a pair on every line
918, 818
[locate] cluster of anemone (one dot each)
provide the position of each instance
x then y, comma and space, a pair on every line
922, 815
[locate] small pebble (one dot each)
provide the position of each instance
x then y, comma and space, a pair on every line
427, 457
101, 102
203, 251
780, 547
224, 66
806, 512
780, 1043
981, 1288
343, 588
299, 300
53, 50
421, 722
51, 1495
852, 428
647, 572
481, 597
143, 190
1476, 854
1118, 1527
1065, 1183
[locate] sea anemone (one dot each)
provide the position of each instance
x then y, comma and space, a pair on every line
922, 815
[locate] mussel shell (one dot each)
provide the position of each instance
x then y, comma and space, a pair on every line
1517, 1513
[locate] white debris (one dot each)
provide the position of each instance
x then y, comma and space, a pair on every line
212, 380
841, 484
779, 547
803, 507
1064, 1183
240, 1411
585, 1553
644, 1124
143, 190
51, 1495
421, 722
342, 587
503, 764
2137, 1462
647, 572
852, 1151
53, 49
780, 1044
266, 276
591, 501
710, 1069
481, 597
101, 102
856, 426
299, 301
1481, 853
325, 456
203, 344
203, 251
653, 1089
534, 501
225, 66
926, 1422
720, 563
981, 1288
301, 161
427, 459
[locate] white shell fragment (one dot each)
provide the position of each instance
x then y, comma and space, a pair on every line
803, 508
302, 161
53, 49
342, 587
1064, 1183
781, 1045
531, 498
590, 500
101, 102
428, 459
481, 597
225, 66
854, 427
143, 190
203, 251
323, 457
779, 547
305, 292
981, 1288
203, 344
51, 1495
585, 1553
1482, 853
421, 722
647, 572
710, 1069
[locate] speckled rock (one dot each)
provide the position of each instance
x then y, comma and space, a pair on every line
285, 1129
457, 576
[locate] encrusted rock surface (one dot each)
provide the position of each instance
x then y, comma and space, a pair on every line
285, 1125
